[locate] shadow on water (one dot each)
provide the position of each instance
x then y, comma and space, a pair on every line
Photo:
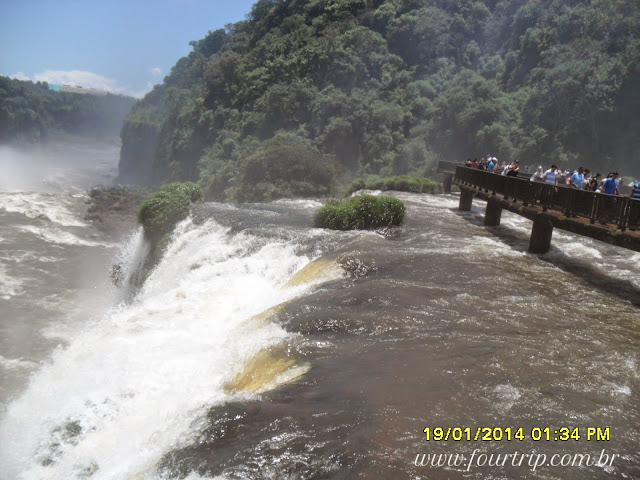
623, 289
583, 269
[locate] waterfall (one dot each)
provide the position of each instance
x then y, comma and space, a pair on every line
135, 382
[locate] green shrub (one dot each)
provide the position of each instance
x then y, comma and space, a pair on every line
403, 183
168, 205
291, 163
360, 212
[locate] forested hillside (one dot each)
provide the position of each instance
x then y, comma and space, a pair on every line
30, 112
307, 92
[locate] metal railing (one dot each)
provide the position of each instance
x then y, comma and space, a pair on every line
450, 167
624, 212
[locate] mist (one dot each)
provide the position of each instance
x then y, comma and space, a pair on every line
59, 164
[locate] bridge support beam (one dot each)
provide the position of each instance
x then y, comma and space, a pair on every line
541, 232
466, 198
492, 214
446, 183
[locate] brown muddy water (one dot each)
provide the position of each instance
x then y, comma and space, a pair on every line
263, 348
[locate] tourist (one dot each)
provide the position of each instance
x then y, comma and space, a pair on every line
610, 185
468, 163
635, 189
474, 164
634, 213
513, 169
491, 166
594, 182
585, 182
577, 179
550, 176
564, 177
538, 176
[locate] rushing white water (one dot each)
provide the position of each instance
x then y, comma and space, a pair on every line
136, 380
55, 207
58, 236
9, 286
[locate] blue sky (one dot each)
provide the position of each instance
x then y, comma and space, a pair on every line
121, 46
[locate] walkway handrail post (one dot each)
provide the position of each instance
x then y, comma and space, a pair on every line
624, 213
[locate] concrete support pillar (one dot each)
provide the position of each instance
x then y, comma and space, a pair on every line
541, 232
466, 198
492, 214
446, 183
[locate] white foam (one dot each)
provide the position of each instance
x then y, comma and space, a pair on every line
135, 380
508, 395
197, 476
621, 389
59, 236
16, 363
436, 201
20, 256
375, 193
9, 286
584, 248
55, 207
302, 203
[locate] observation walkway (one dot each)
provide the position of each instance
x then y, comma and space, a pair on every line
608, 218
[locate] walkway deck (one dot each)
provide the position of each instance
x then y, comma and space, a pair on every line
608, 218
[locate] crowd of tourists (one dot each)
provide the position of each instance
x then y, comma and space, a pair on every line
580, 178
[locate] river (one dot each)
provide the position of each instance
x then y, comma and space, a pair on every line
260, 347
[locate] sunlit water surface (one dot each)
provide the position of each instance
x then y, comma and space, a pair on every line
263, 348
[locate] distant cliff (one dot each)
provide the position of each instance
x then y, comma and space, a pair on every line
307, 93
30, 112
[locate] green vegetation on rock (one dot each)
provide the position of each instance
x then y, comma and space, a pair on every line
168, 205
158, 215
403, 183
360, 212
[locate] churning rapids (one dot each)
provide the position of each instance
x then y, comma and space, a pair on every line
260, 347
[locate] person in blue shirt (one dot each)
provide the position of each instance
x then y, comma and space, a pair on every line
610, 185
577, 179
635, 190
550, 175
